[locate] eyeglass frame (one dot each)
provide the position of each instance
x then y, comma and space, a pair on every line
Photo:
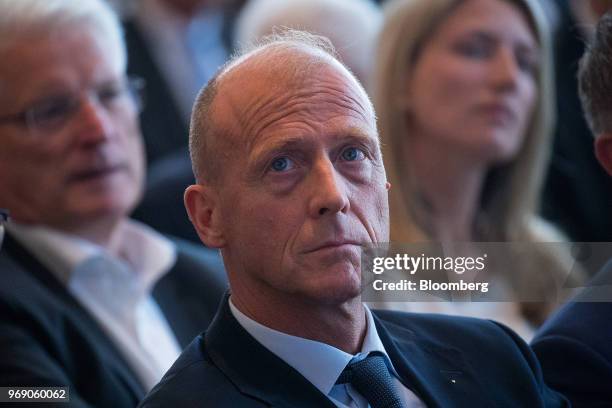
134, 86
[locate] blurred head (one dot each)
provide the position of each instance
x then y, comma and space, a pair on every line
599, 7
301, 184
595, 86
351, 26
71, 150
188, 8
473, 78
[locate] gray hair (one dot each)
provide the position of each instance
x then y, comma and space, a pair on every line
595, 78
316, 50
21, 18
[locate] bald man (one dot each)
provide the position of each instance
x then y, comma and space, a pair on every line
290, 184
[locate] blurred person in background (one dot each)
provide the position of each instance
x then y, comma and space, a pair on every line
89, 299
352, 26
575, 346
463, 90
176, 46
578, 192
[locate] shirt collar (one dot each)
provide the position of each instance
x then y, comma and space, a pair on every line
319, 363
146, 252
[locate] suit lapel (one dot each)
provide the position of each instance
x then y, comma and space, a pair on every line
90, 328
439, 375
254, 369
184, 319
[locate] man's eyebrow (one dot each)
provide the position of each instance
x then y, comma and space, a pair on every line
278, 145
295, 142
358, 136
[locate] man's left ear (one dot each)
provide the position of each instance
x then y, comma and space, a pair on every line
202, 204
603, 151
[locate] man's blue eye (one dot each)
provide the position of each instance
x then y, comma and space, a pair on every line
353, 154
282, 164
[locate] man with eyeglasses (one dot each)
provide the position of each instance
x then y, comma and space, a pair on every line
89, 299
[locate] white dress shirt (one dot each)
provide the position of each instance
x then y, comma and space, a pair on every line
322, 364
116, 290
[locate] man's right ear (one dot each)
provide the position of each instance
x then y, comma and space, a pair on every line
202, 204
603, 151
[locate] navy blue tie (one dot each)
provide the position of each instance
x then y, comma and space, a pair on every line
372, 379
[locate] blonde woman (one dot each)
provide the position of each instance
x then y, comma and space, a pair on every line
463, 91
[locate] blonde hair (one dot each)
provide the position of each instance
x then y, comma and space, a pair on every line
507, 210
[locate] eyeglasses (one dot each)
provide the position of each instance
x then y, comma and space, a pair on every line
53, 113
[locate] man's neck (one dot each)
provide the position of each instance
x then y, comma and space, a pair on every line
340, 325
100, 232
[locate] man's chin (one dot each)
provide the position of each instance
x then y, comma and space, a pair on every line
337, 293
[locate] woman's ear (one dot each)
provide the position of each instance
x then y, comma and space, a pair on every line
603, 151
202, 204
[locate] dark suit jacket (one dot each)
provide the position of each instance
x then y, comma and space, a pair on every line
48, 339
490, 366
578, 192
575, 347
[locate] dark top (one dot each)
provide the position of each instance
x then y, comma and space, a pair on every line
578, 192
48, 339
163, 127
575, 346
447, 361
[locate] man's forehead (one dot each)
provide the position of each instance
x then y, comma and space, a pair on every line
260, 90
40, 63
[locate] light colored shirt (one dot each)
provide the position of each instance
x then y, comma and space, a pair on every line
115, 288
187, 51
322, 364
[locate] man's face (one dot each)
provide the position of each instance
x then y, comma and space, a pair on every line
91, 165
303, 183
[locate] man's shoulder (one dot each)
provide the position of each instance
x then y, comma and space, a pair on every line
573, 346
434, 325
26, 283
586, 313
475, 339
194, 379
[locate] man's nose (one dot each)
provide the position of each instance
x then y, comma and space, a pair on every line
329, 195
94, 122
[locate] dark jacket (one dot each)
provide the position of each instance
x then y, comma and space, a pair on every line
48, 339
446, 361
575, 346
